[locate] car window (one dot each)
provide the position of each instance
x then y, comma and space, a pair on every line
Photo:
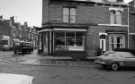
108, 53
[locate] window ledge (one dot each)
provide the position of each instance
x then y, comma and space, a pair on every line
131, 33
120, 25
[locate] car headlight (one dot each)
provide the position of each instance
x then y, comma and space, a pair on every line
100, 61
5, 46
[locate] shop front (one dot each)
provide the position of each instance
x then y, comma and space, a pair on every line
62, 41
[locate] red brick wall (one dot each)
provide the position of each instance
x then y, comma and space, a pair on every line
85, 13
45, 4
132, 20
132, 41
125, 17
88, 14
132, 25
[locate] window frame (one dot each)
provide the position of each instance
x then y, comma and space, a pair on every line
73, 46
113, 41
117, 17
69, 16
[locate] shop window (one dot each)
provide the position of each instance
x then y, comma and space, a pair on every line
60, 40
71, 41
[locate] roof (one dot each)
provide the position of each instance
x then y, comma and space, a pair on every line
4, 28
98, 1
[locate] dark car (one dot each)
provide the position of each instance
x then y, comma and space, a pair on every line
23, 48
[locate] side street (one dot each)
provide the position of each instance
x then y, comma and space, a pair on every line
35, 59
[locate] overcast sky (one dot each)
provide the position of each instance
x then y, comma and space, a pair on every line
24, 10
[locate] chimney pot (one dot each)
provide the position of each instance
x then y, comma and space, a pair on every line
1, 18
12, 19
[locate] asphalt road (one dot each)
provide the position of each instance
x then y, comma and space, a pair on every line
66, 74
70, 74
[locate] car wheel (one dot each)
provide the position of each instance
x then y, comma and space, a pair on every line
114, 66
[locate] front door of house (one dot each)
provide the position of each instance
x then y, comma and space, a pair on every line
102, 39
103, 44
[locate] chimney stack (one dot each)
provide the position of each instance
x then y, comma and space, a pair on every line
1, 18
12, 19
26, 24
120, 1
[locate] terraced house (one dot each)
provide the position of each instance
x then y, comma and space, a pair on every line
81, 27
132, 24
12, 32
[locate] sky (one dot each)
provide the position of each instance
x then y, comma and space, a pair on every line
23, 10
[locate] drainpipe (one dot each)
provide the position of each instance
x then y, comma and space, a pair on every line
128, 26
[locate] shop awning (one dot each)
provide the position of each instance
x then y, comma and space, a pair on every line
65, 29
69, 29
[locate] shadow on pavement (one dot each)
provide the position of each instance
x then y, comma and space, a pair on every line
121, 69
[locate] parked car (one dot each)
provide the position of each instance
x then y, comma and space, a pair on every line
5, 45
23, 48
117, 58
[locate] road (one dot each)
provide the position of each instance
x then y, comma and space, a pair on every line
68, 74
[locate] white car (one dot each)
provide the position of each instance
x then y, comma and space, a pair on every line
116, 59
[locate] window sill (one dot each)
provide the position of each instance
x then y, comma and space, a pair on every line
120, 25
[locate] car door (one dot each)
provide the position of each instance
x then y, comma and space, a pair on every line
129, 61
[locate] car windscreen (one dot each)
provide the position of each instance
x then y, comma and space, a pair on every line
3, 42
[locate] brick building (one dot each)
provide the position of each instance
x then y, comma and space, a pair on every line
34, 36
132, 24
81, 27
5, 33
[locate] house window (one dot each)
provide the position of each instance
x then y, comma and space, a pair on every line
118, 17
69, 15
70, 41
112, 17
115, 17
116, 41
134, 3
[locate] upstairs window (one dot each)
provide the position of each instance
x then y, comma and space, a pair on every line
69, 15
118, 17
112, 17
115, 17
134, 3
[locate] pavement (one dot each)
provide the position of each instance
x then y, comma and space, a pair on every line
35, 59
